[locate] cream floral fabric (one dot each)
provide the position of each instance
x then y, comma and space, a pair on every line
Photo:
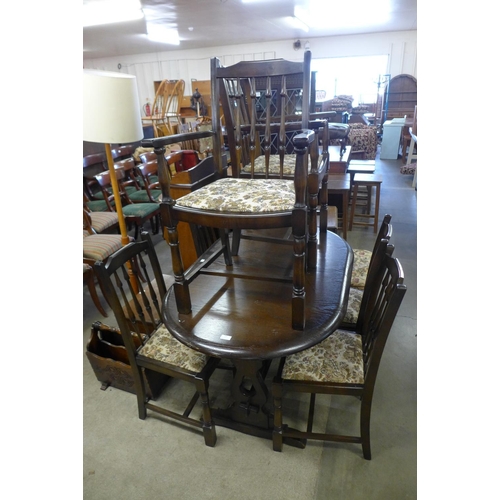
360, 267
353, 305
338, 359
165, 348
408, 169
243, 195
274, 165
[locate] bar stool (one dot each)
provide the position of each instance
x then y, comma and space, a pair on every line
362, 167
369, 181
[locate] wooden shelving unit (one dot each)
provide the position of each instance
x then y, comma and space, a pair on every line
400, 97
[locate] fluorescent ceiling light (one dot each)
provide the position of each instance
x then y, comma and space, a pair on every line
111, 11
303, 16
297, 23
160, 33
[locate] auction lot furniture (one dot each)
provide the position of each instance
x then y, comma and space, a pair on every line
237, 316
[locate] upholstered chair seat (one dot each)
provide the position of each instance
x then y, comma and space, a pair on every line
97, 205
162, 347
274, 165
353, 306
139, 209
142, 195
101, 246
103, 220
242, 195
360, 266
338, 359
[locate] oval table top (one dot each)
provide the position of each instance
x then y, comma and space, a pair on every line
250, 319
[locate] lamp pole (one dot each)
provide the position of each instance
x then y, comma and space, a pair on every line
116, 194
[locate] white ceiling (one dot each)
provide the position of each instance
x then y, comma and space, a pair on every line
229, 22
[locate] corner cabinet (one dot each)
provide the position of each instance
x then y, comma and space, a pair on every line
400, 97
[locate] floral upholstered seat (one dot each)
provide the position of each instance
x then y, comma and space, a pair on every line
353, 305
360, 267
338, 359
161, 346
274, 165
242, 195
408, 169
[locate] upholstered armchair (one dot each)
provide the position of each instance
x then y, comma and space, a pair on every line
362, 139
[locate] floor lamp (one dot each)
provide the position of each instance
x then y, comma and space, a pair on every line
111, 115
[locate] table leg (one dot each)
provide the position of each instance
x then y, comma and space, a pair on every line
249, 412
345, 209
251, 409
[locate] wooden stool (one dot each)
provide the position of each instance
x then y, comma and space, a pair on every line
360, 167
369, 181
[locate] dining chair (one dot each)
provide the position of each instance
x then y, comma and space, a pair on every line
94, 164
97, 205
123, 152
103, 222
137, 312
256, 201
357, 296
130, 179
148, 174
362, 257
137, 213
345, 364
98, 246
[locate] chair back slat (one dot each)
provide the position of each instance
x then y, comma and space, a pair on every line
133, 284
380, 315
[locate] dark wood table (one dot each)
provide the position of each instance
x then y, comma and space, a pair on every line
248, 321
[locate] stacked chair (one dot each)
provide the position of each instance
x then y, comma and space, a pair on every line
250, 199
97, 246
138, 212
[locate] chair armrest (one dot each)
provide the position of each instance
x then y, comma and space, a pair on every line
175, 138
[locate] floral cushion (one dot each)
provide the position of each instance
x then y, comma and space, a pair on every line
408, 169
165, 348
338, 359
242, 195
360, 267
353, 305
274, 165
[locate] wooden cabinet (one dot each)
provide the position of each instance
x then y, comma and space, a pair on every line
400, 97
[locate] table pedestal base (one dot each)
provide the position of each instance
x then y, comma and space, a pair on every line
250, 412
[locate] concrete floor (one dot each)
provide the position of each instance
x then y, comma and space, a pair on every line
128, 458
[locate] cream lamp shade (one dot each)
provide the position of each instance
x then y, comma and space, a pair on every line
111, 109
111, 115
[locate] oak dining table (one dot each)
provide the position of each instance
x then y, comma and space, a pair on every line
247, 321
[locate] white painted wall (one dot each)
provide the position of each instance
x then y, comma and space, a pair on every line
401, 46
